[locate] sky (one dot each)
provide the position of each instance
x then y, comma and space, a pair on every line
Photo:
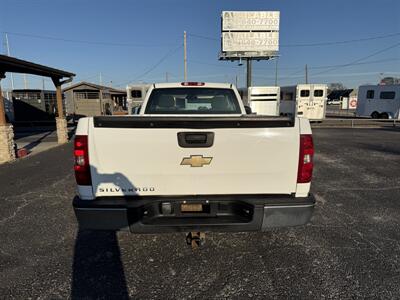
119, 42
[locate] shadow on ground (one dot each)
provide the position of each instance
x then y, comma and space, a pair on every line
97, 267
33, 144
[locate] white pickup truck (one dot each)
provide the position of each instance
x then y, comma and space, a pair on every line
192, 159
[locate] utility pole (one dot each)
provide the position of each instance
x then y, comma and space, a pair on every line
380, 78
8, 54
184, 57
276, 71
306, 74
12, 77
166, 76
100, 79
25, 82
248, 72
236, 81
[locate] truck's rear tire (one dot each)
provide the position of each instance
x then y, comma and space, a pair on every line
375, 115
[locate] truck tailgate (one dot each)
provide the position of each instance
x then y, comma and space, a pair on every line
142, 156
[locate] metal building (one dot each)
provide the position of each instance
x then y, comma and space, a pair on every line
8, 106
59, 77
86, 99
34, 104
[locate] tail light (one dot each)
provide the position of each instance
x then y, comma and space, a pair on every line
191, 83
306, 164
81, 154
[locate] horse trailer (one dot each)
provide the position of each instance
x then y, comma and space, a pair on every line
379, 101
264, 100
304, 100
135, 95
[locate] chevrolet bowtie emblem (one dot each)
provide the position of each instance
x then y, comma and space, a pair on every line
196, 161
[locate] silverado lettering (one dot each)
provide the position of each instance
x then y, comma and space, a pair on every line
113, 190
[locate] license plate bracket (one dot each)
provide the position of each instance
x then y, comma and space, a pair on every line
192, 208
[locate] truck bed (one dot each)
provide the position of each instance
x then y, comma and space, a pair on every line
147, 156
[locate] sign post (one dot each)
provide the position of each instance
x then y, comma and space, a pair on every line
248, 73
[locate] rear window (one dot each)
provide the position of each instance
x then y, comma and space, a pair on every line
318, 93
192, 101
387, 95
370, 94
304, 93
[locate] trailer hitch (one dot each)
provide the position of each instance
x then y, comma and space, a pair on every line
196, 239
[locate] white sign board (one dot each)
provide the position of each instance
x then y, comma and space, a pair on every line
250, 34
250, 41
353, 102
250, 20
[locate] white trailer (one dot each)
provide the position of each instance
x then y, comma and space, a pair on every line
135, 95
304, 100
264, 100
379, 101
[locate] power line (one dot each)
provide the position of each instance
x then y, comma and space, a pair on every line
328, 43
237, 66
330, 75
343, 42
301, 68
356, 64
360, 74
82, 41
203, 37
360, 59
297, 69
169, 53
211, 64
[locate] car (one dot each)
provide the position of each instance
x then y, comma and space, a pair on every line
333, 102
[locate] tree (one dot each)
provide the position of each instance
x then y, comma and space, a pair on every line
390, 80
336, 86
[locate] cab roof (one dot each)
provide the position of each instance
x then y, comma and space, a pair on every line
193, 84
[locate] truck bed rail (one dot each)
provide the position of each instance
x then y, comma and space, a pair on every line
250, 121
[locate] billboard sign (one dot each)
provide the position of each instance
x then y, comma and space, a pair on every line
250, 20
250, 41
250, 34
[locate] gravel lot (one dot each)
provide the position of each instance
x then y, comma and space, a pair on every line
351, 248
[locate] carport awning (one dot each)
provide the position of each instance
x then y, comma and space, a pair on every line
15, 65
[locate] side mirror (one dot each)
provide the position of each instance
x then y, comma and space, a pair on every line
248, 109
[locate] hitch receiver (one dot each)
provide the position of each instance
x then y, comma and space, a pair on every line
196, 239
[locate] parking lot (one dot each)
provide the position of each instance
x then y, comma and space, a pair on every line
350, 249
